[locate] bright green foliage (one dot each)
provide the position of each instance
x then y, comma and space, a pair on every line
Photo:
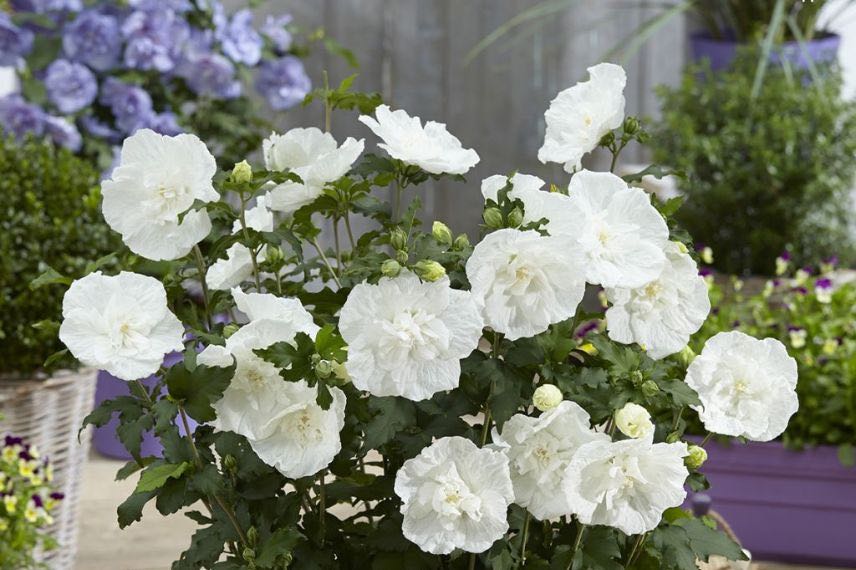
49, 219
762, 174
793, 313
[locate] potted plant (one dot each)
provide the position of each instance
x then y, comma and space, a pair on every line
794, 499
400, 398
50, 224
763, 172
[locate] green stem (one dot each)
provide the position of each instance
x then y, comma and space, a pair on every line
144, 392
706, 439
634, 552
348, 228
243, 218
327, 108
525, 538
336, 242
200, 267
577, 541
322, 508
326, 261
472, 564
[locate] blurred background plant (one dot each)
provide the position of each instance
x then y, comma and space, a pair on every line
765, 172
50, 221
93, 73
809, 309
26, 504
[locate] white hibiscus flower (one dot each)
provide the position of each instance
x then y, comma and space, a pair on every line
432, 148
663, 314
626, 484
259, 217
302, 437
539, 450
525, 281
454, 495
406, 337
621, 235
236, 268
149, 194
120, 324
747, 386
314, 156
581, 115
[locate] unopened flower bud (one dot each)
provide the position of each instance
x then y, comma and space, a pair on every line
608, 139
631, 125
324, 369
681, 247
547, 397
492, 218
673, 437
696, 458
274, 255
634, 421
390, 268
340, 371
249, 554
252, 535
398, 239
686, 355
441, 233
515, 217
230, 463
429, 270
402, 257
230, 329
242, 172
650, 388
637, 377
706, 255
461, 242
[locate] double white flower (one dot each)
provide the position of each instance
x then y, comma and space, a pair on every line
149, 197
406, 337
236, 268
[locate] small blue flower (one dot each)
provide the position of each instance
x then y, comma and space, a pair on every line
239, 40
63, 133
15, 41
275, 29
165, 123
20, 118
283, 82
156, 39
70, 86
212, 75
93, 38
131, 105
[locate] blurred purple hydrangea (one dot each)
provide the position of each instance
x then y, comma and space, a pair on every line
239, 40
98, 129
175, 5
156, 39
131, 105
212, 75
275, 29
19, 118
70, 86
93, 38
165, 123
283, 82
15, 41
46, 6
63, 133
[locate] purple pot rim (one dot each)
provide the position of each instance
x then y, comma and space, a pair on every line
830, 38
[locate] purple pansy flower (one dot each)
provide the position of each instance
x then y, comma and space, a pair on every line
63, 133
275, 29
239, 40
57, 496
15, 41
70, 86
156, 39
823, 283
93, 38
801, 290
131, 105
21, 118
283, 82
211, 74
11, 440
586, 328
705, 271
37, 500
785, 256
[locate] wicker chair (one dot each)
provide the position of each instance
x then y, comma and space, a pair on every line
48, 413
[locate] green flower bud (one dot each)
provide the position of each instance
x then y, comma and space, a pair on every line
515, 217
324, 369
398, 239
492, 218
230, 463
230, 329
441, 233
252, 535
461, 242
686, 355
696, 458
401, 257
650, 388
608, 139
274, 255
429, 270
390, 268
242, 172
673, 437
249, 554
547, 397
636, 377
340, 372
631, 125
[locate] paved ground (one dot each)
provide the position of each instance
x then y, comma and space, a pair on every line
153, 543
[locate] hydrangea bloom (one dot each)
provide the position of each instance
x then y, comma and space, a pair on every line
454, 495
70, 86
406, 338
314, 156
747, 386
158, 179
626, 484
304, 437
15, 41
131, 105
579, 116
211, 74
275, 29
165, 123
432, 148
155, 39
283, 82
239, 40
621, 235
93, 38
120, 324
63, 133
539, 450
663, 314
236, 268
20, 118
525, 281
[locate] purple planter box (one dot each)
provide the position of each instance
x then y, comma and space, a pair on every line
784, 505
721, 52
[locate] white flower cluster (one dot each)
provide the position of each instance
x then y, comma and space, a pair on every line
406, 337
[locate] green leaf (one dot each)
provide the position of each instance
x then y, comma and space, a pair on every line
280, 543
155, 475
706, 541
132, 467
199, 389
131, 510
49, 276
294, 359
329, 344
392, 414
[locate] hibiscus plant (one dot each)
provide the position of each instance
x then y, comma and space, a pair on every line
397, 398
